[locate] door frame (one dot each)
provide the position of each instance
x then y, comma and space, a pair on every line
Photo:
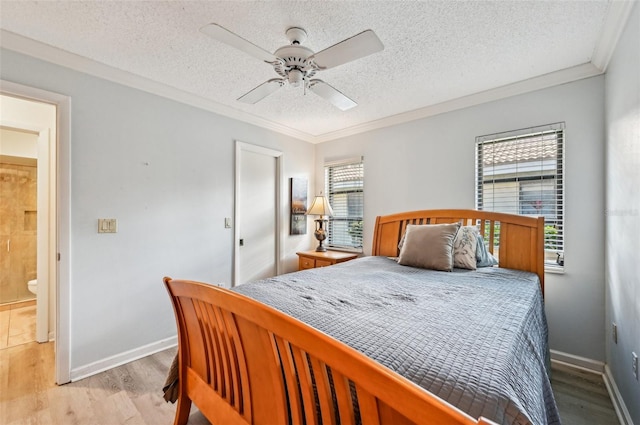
60, 224
277, 155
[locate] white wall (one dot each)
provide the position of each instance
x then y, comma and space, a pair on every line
430, 164
623, 211
164, 170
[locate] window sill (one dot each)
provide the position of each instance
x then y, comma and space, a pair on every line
553, 269
342, 249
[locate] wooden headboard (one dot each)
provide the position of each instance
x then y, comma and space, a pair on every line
517, 241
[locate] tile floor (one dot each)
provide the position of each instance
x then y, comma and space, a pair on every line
17, 326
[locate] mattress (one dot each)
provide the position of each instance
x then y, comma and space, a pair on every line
477, 339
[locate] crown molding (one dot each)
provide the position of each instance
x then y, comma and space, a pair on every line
563, 76
614, 23
48, 53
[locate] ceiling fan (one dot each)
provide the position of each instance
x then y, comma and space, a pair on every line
297, 65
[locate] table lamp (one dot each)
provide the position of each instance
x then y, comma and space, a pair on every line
320, 206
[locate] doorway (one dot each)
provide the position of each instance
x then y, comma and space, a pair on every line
46, 115
18, 235
26, 149
257, 222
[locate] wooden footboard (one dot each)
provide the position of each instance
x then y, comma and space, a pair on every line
242, 362
517, 241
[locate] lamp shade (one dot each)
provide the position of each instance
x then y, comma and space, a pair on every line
320, 206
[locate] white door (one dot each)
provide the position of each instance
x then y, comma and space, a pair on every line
257, 224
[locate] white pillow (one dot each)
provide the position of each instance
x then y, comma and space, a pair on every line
464, 248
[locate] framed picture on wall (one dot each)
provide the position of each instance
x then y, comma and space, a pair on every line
298, 206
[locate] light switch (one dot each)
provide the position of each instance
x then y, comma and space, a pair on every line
107, 225
227, 223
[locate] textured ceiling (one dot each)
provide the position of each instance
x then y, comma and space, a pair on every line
435, 51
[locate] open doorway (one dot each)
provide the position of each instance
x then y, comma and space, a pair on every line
45, 116
27, 157
18, 236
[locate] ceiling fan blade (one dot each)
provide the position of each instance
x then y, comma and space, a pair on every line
262, 91
222, 34
338, 99
356, 47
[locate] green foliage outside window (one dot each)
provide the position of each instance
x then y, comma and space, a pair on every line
550, 236
355, 231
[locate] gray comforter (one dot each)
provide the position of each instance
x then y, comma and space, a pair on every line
477, 339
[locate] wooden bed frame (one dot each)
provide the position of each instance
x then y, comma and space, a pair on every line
243, 362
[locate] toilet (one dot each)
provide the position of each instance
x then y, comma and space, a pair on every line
33, 286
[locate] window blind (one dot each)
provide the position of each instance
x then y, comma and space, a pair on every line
522, 172
344, 186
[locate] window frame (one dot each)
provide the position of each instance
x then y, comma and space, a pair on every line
330, 193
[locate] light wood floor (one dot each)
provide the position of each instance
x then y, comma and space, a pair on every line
17, 325
582, 397
131, 394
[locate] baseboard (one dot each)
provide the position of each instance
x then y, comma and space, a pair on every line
122, 358
17, 304
52, 336
578, 362
618, 403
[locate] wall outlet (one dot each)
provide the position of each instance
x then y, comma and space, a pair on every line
634, 364
614, 333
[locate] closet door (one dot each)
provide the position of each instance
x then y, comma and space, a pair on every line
257, 229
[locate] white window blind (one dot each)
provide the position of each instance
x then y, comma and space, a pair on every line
522, 172
344, 186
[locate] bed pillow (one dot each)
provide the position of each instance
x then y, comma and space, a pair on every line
464, 248
429, 246
483, 256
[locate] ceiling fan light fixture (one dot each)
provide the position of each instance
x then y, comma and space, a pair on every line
295, 77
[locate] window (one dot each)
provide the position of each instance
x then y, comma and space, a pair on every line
522, 172
344, 186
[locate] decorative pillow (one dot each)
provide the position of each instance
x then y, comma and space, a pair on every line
401, 241
483, 256
464, 248
429, 246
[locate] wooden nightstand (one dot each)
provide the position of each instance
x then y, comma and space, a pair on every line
314, 259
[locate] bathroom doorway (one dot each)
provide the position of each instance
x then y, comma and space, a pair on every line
18, 235
27, 234
53, 209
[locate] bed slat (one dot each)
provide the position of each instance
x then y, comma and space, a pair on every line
327, 409
368, 406
291, 381
343, 398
